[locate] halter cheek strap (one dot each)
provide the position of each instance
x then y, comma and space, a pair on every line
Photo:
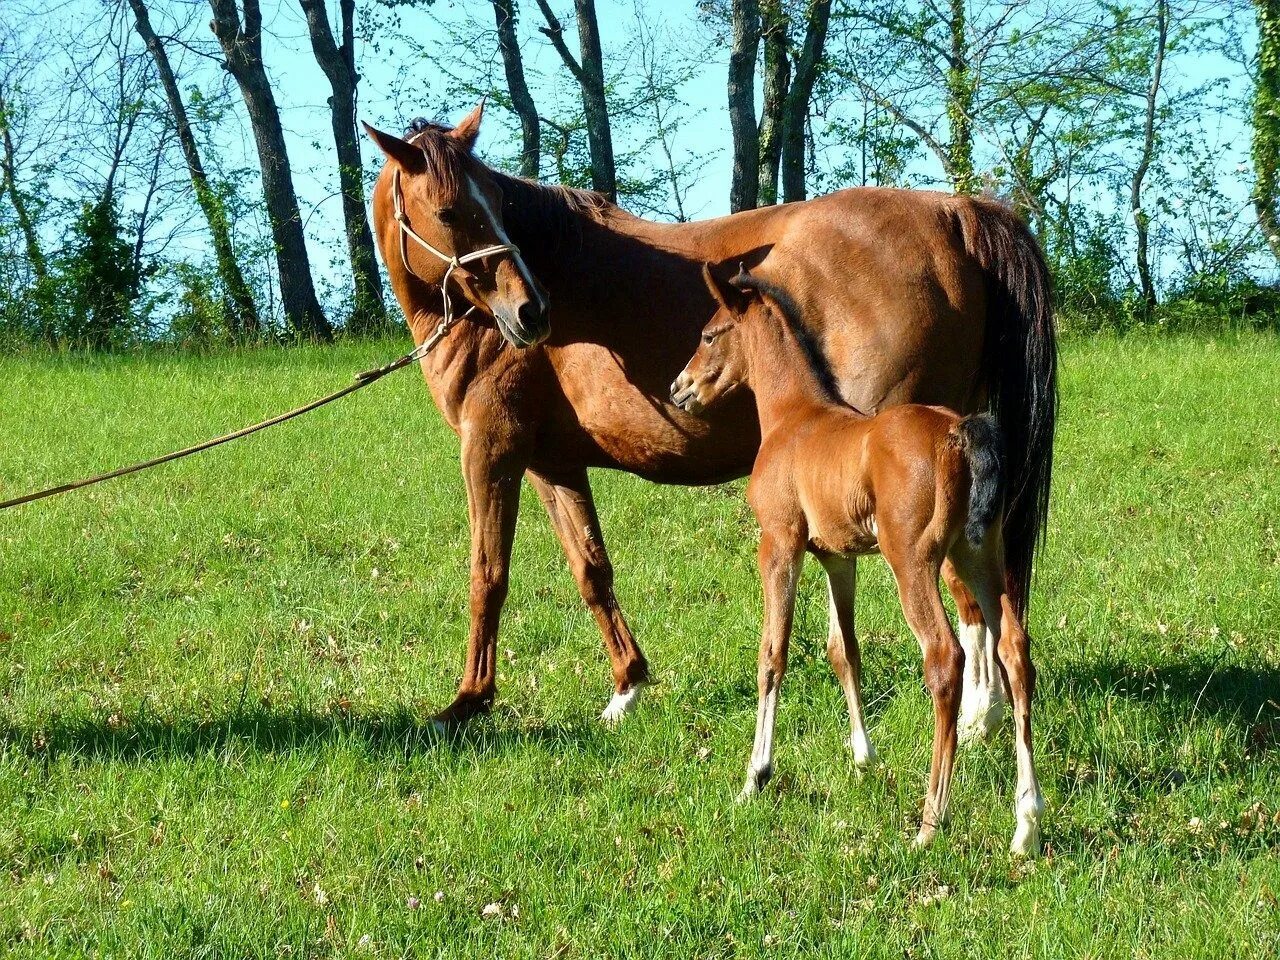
453, 262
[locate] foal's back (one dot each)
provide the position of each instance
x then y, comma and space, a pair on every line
843, 474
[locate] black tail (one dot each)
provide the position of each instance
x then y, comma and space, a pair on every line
1021, 361
979, 440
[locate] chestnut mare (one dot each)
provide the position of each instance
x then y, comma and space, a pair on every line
912, 296
918, 484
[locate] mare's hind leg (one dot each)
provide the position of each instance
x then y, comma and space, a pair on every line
917, 578
842, 650
984, 570
573, 516
982, 702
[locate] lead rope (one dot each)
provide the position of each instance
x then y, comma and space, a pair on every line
362, 379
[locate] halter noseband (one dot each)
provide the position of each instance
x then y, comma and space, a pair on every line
455, 261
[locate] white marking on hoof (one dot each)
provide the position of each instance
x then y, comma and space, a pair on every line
1026, 839
756, 779
924, 838
864, 754
979, 718
621, 704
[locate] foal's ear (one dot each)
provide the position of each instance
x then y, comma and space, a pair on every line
727, 295
469, 127
398, 151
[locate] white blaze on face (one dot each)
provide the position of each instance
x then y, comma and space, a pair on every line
495, 224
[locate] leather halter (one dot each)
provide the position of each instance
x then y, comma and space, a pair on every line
454, 262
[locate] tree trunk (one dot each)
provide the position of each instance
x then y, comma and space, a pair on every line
745, 188
504, 12
960, 97
242, 48
30, 239
1141, 220
774, 28
1266, 124
339, 65
590, 76
796, 111
238, 308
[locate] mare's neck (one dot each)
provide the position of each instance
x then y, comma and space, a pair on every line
781, 374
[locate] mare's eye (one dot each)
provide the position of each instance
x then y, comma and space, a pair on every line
708, 337
447, 216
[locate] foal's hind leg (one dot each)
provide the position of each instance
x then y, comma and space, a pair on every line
943, 672
982, 702
573, 515
842, 650
984, 570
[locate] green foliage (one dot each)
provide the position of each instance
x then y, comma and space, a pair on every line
97, 281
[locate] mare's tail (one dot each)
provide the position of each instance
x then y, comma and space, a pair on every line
1021, 359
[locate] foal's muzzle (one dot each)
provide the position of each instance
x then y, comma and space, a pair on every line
684, 394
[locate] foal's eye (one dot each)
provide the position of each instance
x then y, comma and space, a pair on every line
708, 337
447, 216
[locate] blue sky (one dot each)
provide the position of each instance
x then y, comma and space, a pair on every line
409, 70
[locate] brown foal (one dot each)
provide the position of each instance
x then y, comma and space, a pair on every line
920, 485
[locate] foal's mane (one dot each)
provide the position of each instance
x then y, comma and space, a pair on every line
547, 212
788, 311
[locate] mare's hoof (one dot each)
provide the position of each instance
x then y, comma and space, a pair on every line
621, 704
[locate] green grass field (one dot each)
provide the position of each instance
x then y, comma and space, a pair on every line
216, 679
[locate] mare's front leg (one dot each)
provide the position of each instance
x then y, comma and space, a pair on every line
781, 553
492, 463
572, 510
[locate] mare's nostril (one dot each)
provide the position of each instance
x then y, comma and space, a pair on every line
530, 315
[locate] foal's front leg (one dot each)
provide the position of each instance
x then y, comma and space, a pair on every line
781, 554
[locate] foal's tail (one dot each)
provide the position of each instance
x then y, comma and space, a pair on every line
1021, 360
978, 439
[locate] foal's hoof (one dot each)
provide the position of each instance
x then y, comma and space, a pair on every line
1026, 841
864, 754
621, 704
924, 837
756, 779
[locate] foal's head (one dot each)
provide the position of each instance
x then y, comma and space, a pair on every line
722, 362
452, 201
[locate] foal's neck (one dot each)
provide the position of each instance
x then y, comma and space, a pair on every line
782, 376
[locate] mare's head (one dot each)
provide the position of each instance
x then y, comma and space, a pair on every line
722, 361
452, 201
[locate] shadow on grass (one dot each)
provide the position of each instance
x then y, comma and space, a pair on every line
399, 731
1235, 694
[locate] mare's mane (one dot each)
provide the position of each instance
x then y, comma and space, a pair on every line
787, 310
547, 213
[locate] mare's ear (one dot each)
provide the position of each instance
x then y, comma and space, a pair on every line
726, 294
469, 127
398, 151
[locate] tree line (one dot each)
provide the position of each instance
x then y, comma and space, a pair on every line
1106, 126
